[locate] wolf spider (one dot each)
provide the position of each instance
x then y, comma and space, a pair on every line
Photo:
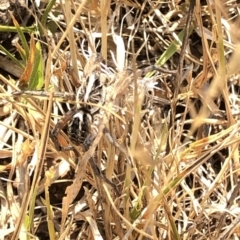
82, 121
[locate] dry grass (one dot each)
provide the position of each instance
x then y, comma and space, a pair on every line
176, 171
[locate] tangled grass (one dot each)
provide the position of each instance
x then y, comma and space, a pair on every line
175, 174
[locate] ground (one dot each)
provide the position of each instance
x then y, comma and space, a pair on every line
119, 120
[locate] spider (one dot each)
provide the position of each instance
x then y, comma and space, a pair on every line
82, 121
99, 87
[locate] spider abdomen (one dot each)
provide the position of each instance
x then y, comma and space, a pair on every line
79, 127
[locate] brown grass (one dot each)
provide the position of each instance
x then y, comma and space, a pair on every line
175, 171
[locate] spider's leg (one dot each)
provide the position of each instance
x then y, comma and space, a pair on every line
59, 126
86, 145
88, 141
94, 131
114, 141
61, 96
98, 173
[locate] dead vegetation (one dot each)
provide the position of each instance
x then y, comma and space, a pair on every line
167, 140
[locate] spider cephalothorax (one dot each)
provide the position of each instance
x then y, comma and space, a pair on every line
79, 123
79, 127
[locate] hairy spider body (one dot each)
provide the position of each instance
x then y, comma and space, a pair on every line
79, 126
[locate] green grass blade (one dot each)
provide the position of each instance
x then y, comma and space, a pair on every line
173, 48
21, 36
11, 56
31, 210
31, 29
36, 78
46, 12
